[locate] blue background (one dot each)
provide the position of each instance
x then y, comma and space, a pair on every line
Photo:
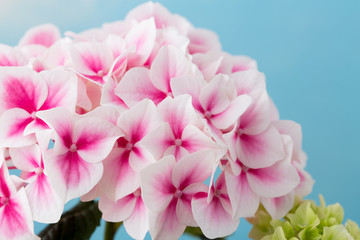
309, 51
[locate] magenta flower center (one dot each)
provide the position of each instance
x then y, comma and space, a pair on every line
178, 193
73, 147
129, 146
178, 142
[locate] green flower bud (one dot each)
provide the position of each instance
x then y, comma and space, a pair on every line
336, 232
353, 229
303, 217
305, 221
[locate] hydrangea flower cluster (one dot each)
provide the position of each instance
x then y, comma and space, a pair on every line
151, 117
305, 220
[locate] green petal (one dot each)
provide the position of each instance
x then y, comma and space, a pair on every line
353, 229
304, 217
336, 232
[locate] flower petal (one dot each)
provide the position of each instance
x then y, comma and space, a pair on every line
274, 181
137, 224
166, 225
45, 35
142, 37
136, 86
95, 138
119, 179
280, 206
13, 123
69, 170
213, 219
243, 200
231, 114
45, 203
21, 88
261, 150
156, 184
62, 89
117, 211
170, 62
194, 168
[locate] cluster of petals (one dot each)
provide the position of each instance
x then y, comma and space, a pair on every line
151, 117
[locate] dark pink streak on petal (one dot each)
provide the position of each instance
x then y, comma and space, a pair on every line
42, 38
4, 61
71, 165
252, 144
11, 220
264, 175
18, 128
86, 140
17, 95
93, 63
137, 133
5, 191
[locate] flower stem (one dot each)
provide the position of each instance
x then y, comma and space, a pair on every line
110, 230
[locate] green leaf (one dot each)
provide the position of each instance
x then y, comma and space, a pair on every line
76, 224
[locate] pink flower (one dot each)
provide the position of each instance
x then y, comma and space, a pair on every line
213, 211
167, 189
24, 93
15, 215
248, 186
181, 133
130, 210
81, 143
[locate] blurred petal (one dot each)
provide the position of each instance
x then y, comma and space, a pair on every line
142, 37
46, 35
280, 206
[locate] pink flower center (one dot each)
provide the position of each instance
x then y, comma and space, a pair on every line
178, 142
178, 193
4, 201
39, 171
33, 115
100, 73
239, 132
245, 168
129, 146
73, 147
217, 193
207, 115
